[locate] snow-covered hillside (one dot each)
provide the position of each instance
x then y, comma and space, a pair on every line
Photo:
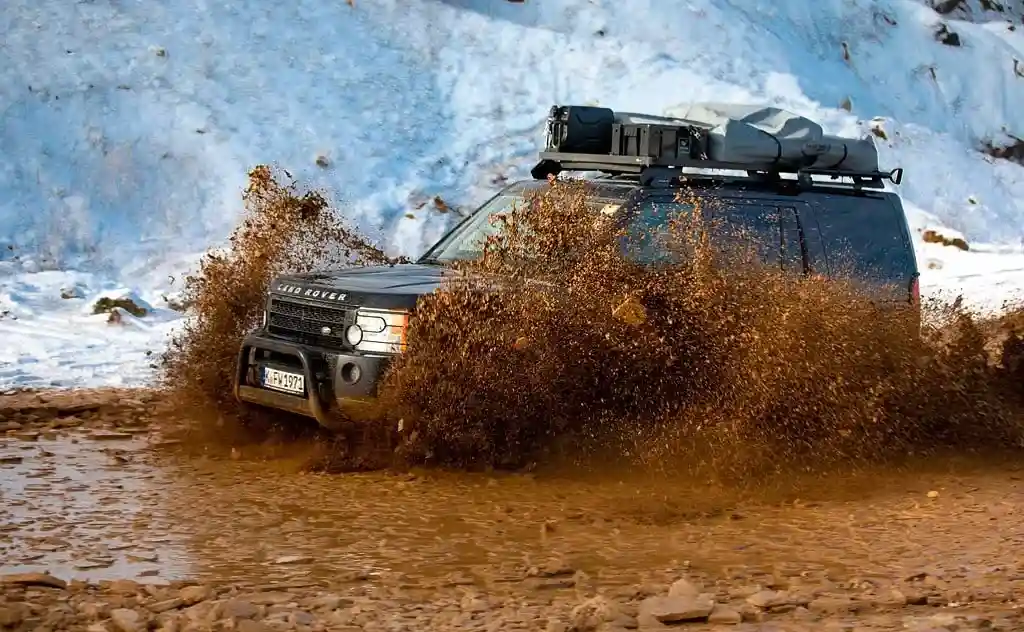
127, 126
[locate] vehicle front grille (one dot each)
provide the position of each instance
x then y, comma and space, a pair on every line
305, 322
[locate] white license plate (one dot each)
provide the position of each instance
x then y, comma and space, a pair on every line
284, 381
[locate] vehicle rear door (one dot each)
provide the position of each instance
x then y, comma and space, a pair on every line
864, 239
766, 227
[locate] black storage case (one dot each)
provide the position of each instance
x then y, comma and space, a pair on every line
663, 143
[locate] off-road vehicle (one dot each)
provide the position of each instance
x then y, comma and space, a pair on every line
813, 204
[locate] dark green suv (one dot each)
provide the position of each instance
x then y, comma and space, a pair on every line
805, 201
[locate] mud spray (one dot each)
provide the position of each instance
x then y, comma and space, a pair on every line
283, 229
554, 342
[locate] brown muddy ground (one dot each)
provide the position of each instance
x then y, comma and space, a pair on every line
130, 530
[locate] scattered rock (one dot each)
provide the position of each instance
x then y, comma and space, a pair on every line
878, 130
726, 615
1013, 151
554, 625
109, 435
914, 597
75, 291
765, 599
474, 604
239, 609
676, 609
944, 35
11, 615
593, 613
832, 605
191, 595
936, 600
123, 587
167, 605
33, 579
301, 618
684, 588
94, 564
126, 620
294, 559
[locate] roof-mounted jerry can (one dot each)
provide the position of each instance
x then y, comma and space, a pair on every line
580, 129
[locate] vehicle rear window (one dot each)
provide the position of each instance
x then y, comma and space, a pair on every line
863, 237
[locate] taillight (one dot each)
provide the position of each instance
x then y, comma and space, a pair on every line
915, 290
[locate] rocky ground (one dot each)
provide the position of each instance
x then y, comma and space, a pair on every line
42, 602
106, 524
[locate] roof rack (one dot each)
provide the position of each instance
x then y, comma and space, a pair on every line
583, 138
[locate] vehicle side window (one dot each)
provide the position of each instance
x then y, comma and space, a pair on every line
769, 233
863, 237
649, 237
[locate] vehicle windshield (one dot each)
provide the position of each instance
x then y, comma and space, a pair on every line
466, 242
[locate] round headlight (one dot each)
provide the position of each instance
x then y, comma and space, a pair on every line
353, 335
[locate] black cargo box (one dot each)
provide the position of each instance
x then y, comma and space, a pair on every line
663, 142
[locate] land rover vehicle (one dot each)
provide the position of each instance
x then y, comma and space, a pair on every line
813, 204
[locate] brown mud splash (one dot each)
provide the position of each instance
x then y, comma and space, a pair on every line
730, 369
554, 346
284, 229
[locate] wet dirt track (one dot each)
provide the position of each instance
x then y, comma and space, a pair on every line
235, 540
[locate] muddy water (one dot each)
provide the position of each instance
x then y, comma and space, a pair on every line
85, 507
96, 509
248, 521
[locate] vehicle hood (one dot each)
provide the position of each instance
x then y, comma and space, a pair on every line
386, 287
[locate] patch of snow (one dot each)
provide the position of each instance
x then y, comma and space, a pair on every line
51, 341
128, 127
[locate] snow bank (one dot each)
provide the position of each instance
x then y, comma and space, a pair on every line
128, 127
